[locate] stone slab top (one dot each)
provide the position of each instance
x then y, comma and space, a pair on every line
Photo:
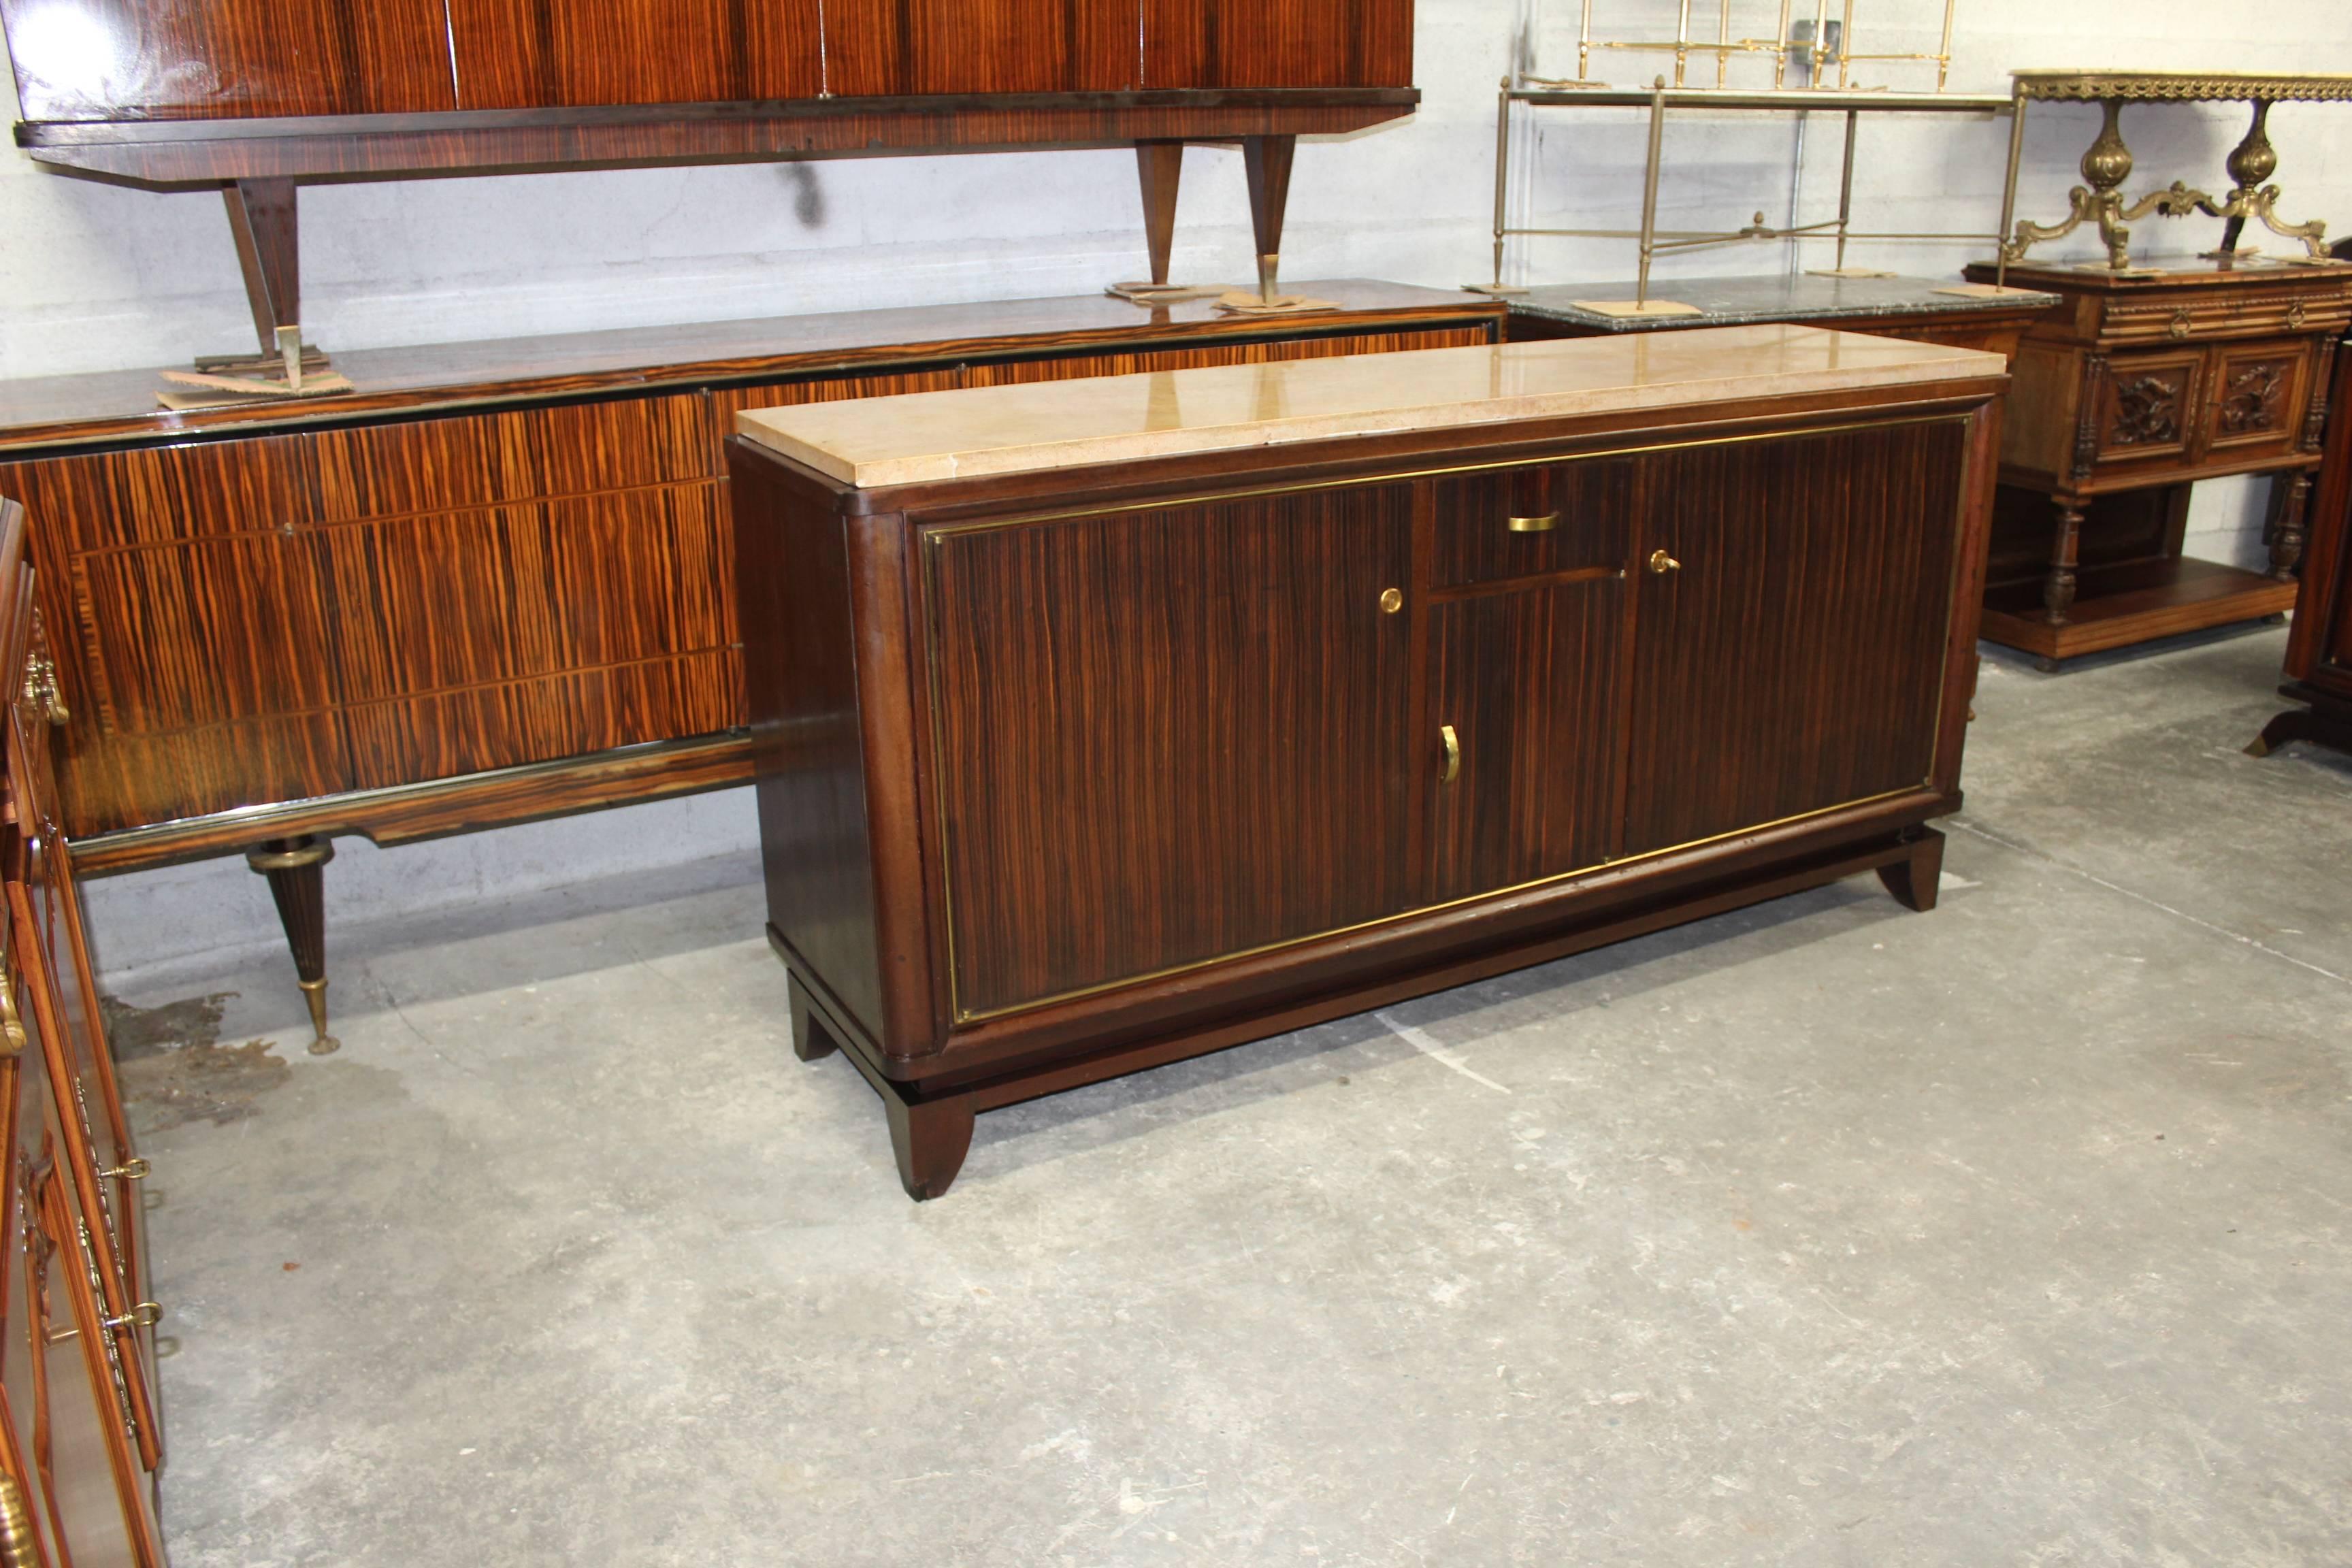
1735, 301
927, 437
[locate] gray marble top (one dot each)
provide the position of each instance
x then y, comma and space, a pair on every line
1738, 301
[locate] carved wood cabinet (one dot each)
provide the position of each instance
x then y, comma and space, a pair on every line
1070, 769
2140, 383
80, 1436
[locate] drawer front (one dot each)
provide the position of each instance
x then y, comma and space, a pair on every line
2258, 398
1532, 521
2208, 313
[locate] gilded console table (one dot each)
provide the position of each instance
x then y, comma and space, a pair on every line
2107, 162
1098, 726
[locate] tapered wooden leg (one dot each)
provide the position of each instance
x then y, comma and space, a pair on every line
2321, 727
297, 882
1266, 161
2058, 587
262, 215
810, 1041
930, 1137
1913, 880
1159, 164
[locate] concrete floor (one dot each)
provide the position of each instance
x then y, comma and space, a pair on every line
1821, 1234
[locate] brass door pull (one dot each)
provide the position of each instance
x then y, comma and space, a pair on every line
129, 1171
1391, 601
1543, 524
1660, 562
1452, 754
145, 1315
41, 689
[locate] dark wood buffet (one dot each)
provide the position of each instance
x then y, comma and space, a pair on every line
1252, 696
80, 1435
258, 639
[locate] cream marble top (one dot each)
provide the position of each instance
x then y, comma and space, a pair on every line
924, 437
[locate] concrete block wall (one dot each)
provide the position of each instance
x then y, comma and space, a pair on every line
98, 278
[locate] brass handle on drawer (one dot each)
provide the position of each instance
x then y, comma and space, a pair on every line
41, 689
1452, 754
129, 1171
1660, 562
1543, 524
2178, 326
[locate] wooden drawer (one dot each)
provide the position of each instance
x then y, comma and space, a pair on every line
1533, 521
2208, 313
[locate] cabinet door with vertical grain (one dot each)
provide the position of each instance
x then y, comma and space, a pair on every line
1792, 602
892, 47
1525, 686
1299, 43
577, 54
1168, 736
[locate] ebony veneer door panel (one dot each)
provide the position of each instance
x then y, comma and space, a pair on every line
1252, 43
889, 47
570, 54
184, 59
1169, 736
1802, 633
1528, 680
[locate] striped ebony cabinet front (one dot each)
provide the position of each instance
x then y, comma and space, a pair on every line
1069, 767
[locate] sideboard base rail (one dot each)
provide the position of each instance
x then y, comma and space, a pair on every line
931, 1120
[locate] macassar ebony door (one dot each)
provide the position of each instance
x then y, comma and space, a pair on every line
1528, 618
1794, 597
1169, 736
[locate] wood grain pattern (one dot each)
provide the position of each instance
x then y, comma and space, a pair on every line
206, 59
1303, 43
366, 607
1169, 736
892, 47
1593, 502
570, 54
1802, 632
1531, 679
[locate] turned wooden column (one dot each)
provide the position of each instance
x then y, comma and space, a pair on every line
294, 868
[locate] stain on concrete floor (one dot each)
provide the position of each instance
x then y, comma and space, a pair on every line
174, 1069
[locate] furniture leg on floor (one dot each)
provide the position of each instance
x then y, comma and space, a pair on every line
295, 870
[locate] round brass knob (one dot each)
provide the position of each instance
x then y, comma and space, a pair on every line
1391, 601
1660, 562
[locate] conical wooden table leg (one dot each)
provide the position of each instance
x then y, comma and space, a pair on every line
297, 882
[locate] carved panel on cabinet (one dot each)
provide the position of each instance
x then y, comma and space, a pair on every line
2262, 393
1188, 740
2252, 395
2150, 409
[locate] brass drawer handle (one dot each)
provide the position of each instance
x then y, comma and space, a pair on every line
1660, 562
1453, 754
12, 1023
129, 1171
41, 689
2179, 324
145, 1315
1543, 524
